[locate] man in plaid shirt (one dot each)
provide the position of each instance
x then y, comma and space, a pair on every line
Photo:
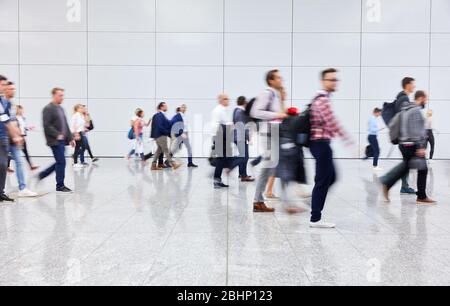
324, 127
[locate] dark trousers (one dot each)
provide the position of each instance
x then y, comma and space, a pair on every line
431, 140
223, 151
373, 141
243, 149
79, 150
4, 152
325, 177
408, 152
87, 146
59, 166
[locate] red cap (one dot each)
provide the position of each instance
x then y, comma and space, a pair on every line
292, 111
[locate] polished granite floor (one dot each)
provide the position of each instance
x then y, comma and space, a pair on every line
128, 226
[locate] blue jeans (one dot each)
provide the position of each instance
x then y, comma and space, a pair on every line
373, 141
325, 177
17, 157
59, 167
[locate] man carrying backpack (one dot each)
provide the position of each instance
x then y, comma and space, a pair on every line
402, 101
267, 108
412, 142
324, 127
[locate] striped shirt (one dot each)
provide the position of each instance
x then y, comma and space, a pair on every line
324, 125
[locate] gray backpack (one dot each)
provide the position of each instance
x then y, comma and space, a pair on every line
394, 129
395, 126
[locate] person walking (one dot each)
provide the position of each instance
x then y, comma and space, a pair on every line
222, 131
373, 131
15, 150
77, 127
58, 135
242, 137
24, 129
324, 127
8, 133
412, 145
180, 134
430, 134
268, 109
88, 128
402, 101
161, 129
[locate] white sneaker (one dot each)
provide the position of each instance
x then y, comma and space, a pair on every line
27, 193
321, 224
377, 169
78, 166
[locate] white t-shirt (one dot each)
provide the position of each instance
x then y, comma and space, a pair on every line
78, 123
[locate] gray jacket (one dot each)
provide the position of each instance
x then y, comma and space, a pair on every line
55, 123
267, 106
412, 126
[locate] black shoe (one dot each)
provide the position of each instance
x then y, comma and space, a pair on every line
192, 165
5, 198
256, 161
95, 159
64, 190
219, 185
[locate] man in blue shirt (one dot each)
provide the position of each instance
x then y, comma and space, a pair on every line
373, 137
15, 150
8, 134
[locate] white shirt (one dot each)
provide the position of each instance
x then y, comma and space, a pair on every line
78, 123
185, 130
428, 123
219, 116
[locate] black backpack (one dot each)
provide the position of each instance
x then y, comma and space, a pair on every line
389, 111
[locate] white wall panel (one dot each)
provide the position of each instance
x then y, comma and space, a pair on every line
253, 16
440, 78
396, 49
9, 15
190, 16
122, 15
189, 49
38, 81
106, 48
327, 16
9, 46
53, 48
258, 49
116, 55
189, 82
52, 15
440, 50
327, 49
441, 16
121, 82
399, 16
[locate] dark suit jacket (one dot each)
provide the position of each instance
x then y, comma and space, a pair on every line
240, 134
160, 126
54, 126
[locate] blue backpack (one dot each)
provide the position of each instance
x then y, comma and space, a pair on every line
131, 135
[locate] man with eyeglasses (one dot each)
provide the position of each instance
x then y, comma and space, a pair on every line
324, 127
